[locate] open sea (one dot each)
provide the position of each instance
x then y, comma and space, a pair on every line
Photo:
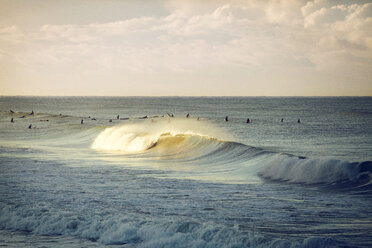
122, 172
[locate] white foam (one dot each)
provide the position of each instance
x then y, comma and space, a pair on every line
141, 135
154, 233
309, 171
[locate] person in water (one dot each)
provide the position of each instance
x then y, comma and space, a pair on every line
188, 115
30, 126
82, 121
282, 120
32, 112
12, 120
248, 120
298, 121
226, 118
118, 117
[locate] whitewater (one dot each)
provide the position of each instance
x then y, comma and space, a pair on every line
111, 171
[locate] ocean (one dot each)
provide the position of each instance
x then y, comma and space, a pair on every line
137, 172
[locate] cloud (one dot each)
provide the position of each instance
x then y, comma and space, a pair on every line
199, 35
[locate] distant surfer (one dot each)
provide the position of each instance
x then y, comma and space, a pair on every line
282, 120
118, 117
94, 119
248, 120
32, 112
12, 120
188, 115
82, 121
226, 118
11, 111
110, 120
30, 126
198, 118
298, 121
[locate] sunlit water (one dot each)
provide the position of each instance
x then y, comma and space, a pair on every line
166, 181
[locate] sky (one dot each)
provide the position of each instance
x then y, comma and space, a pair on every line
186, 48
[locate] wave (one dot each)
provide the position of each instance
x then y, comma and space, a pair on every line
326, 172
137, 137
191, 141
127, 230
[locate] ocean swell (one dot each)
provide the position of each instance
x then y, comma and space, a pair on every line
329, 172
196, 142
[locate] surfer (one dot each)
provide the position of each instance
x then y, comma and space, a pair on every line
118, 117
12, 120
32, 112
11, 111
226, 118
110, 120
30, 126
188, 115
248, 120
82, 121
298, 121
282, 120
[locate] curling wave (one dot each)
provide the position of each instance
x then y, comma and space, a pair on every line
193, 142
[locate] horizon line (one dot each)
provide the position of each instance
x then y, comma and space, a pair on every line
304, 96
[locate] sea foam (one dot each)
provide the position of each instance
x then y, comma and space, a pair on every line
143, 135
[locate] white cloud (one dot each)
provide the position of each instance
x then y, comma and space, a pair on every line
200, 35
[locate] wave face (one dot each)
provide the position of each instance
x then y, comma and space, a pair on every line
167, 135
201, 143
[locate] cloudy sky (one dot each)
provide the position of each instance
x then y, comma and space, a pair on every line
179, 47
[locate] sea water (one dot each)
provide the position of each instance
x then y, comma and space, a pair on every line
134, 176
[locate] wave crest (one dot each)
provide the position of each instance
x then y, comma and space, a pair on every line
141, 136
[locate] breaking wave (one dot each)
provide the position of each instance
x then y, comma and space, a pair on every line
196, 141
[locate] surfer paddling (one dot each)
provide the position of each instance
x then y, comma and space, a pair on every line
12, 120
